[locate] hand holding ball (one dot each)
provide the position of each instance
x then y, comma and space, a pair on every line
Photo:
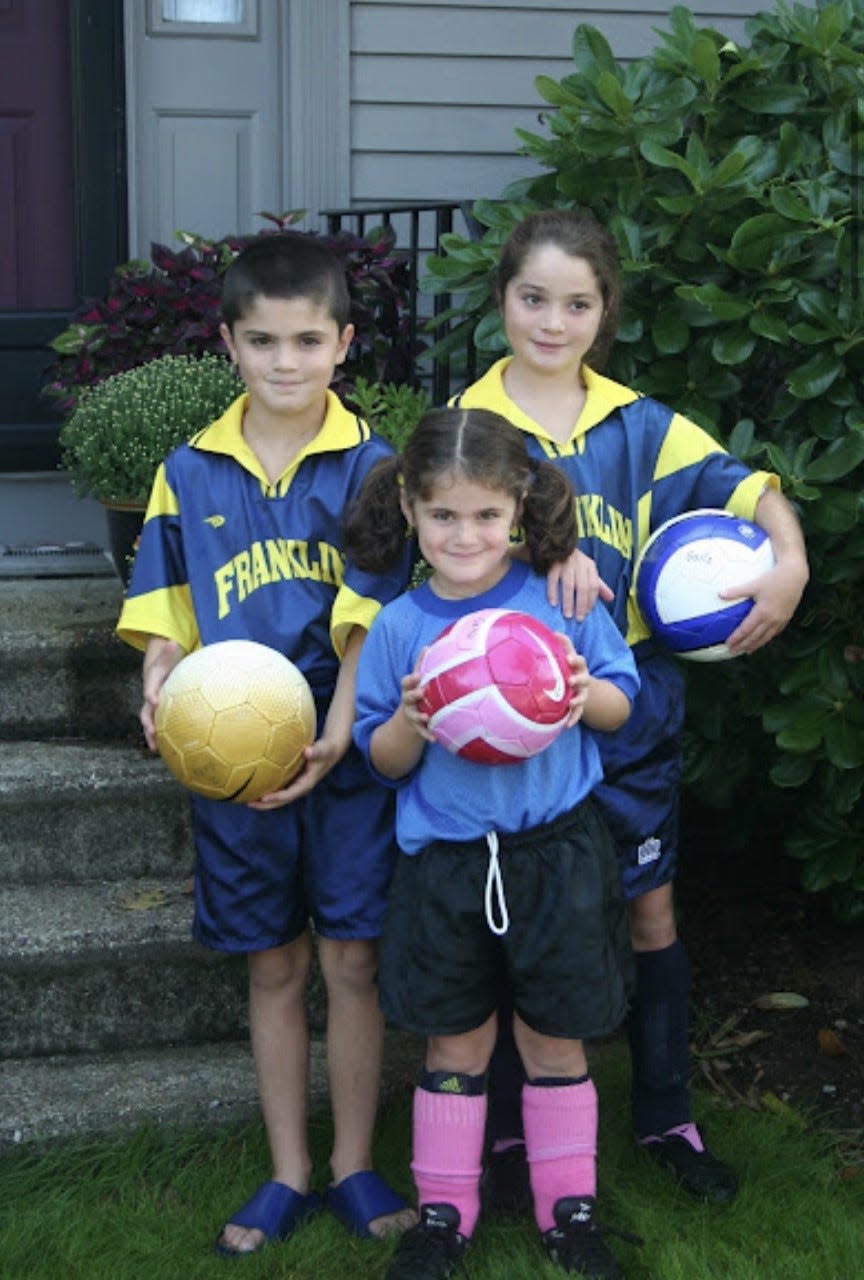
233, 720
684, 566
495, 685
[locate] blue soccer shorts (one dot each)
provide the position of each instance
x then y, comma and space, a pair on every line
642, 763
260, 877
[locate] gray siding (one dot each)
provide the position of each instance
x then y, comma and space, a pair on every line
438, 88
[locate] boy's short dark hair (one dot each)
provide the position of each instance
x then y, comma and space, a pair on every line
286, 264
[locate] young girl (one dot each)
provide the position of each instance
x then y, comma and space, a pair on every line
634, 464
523, 838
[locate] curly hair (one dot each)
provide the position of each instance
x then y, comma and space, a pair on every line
484, 448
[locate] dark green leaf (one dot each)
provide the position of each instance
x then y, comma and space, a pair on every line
741, 439
803, 735
722, 304
663, 158
670, 333
808, 334
831, 25
792, 771
779, 99
815, 376
769, 326
789, 205
832, 672
704, 59
733, 347
836, 512
678, 204
838, 460
553, 91
489, 334
846, 790
611, 93
760, 230
591, 50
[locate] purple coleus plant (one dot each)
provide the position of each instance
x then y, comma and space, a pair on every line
171, 305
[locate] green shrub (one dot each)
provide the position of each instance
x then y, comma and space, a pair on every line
392, 409
732, 178
123, 427
171, 305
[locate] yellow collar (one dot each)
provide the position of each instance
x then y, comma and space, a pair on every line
604, 396
340, 430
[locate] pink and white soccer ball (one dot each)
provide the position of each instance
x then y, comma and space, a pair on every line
495, 686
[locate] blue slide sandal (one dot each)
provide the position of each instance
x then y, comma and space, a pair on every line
361, 1198
276, 1210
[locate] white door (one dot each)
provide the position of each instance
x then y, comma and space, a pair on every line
234, 107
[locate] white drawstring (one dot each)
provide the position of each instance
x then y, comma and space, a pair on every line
495, 886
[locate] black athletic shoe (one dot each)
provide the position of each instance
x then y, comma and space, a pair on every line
576, 1241
699, 1172
506, 1185
433, 1249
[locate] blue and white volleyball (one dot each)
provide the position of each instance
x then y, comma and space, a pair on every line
683, 568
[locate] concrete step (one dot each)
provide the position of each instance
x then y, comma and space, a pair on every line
63, 672
110, 964
73, 812
181, 1087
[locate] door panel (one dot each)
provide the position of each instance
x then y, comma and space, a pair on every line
62, 226
205, 165
205, 133
37, 229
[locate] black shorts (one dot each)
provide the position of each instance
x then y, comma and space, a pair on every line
565, 956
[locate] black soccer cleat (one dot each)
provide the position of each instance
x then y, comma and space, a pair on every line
506, 1183
698, 1172
577, 1243
433, 1249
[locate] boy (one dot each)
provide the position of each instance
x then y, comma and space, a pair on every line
242, 539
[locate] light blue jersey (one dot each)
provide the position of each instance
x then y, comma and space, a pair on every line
447, 797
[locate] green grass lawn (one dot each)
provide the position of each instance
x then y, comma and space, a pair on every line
149, 1207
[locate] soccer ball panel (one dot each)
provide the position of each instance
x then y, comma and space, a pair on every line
233, 720
682, 569
495, 686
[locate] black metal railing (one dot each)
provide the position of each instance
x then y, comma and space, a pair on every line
439, 219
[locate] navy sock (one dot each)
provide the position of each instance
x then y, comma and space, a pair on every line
506, 1078
557, 1082
455, 1082
658, 1028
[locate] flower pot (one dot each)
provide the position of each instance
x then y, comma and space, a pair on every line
124, 529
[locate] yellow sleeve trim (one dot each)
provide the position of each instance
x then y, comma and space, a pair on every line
350, 611
159, 613
745, 499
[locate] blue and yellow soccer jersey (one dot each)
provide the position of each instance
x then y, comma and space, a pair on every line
225, 554
634, 464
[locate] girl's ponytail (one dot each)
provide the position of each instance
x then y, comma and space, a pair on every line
548, 516
374, 529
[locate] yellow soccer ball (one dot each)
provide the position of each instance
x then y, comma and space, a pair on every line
233, 720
